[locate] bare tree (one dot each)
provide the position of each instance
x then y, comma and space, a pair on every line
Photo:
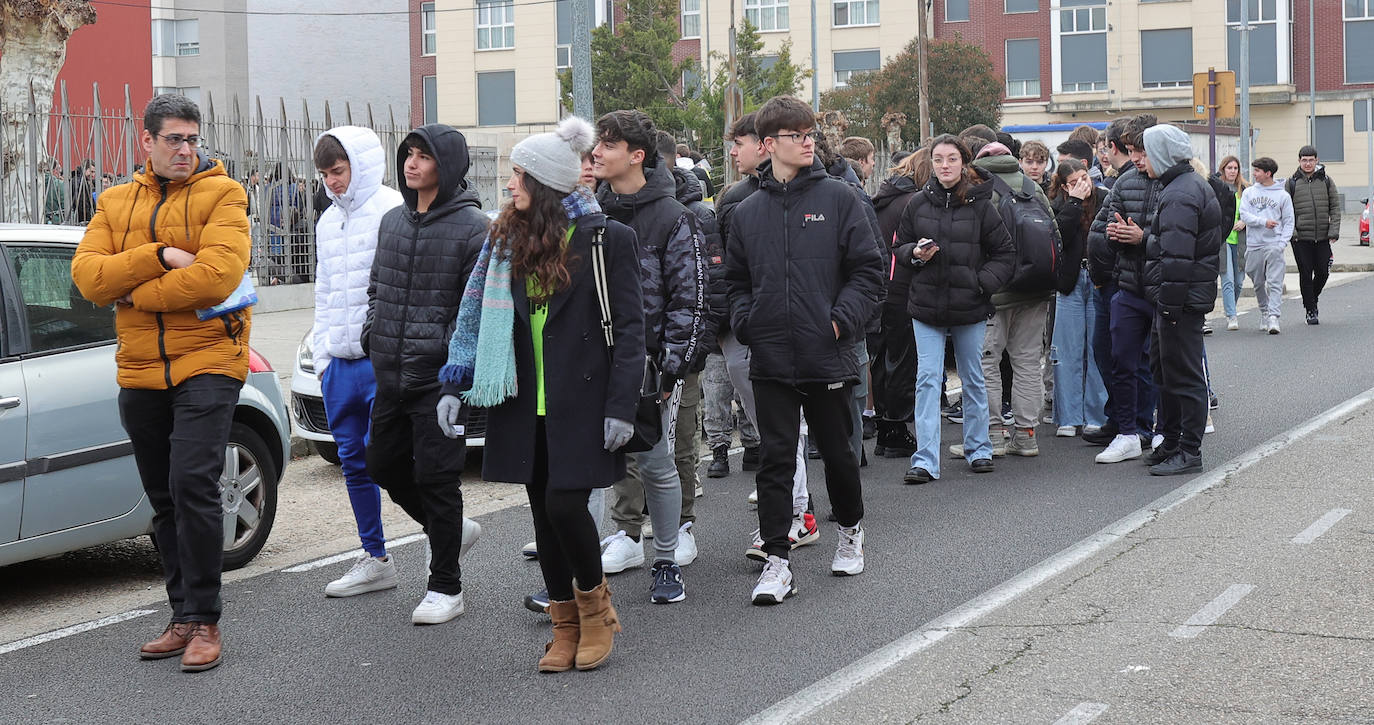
33, 47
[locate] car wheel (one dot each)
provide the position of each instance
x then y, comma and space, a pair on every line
248, 491
328, 451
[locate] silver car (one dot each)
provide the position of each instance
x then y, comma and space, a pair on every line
67, 474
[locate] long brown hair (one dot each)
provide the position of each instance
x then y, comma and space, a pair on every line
1241, 183
535, 238
916, 167
1059, 186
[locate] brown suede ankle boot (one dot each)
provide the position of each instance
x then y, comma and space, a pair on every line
560, 654
598, 625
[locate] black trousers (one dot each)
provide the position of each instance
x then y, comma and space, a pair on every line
1314, 266
179, 436
421, 470
894, 367
830, 417
1176, 353
564, 529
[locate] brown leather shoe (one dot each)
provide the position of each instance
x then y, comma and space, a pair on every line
202, 648
171, 643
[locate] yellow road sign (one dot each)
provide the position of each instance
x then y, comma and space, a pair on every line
1226, 94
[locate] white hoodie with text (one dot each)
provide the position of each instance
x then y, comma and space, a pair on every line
1258, 205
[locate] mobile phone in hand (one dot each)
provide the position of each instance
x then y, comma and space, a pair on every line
923, 243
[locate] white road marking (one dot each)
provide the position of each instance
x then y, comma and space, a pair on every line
74, 629
348, 555
817, 695
1085, 713
1320, 526
1212, 611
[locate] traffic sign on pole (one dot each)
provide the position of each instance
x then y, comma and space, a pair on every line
1226, 94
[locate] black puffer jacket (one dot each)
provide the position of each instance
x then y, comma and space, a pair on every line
673, 268
1182, 248
976, 256
801, 256
1226, 199
731, 198
1068, 215
419, 272
690, 195
1316, 206
889, 203
843, 171
1133, 196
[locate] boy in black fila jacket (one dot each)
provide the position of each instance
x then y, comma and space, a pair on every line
803, 277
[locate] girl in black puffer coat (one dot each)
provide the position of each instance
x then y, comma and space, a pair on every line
960, 253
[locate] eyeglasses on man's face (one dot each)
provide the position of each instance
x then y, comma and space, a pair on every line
799, 138
175, 140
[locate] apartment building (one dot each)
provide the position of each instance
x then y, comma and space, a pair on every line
1075, 61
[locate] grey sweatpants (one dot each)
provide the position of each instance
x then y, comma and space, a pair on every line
1265, 266
652, 479
1020, 331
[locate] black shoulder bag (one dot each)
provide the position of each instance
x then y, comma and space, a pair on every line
648, 420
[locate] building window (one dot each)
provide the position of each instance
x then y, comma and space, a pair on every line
1264, 42
563, 52
1359, 42
172, 38
430, 98
1082, 34
855, 12
691, 80
956, 11
496, 98
429, 37
1023, 68
192, 93
1021, 6
1166, 58
495, 24
691, 18
767, 15
1331, 137
851, 62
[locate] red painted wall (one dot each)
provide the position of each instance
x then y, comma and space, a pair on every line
114, 51
420, 65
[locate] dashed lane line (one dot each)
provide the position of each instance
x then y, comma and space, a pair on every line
1083, 714
1320, 526
74, 629
1212, 611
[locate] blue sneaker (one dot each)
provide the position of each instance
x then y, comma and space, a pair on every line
538, 602
667, 586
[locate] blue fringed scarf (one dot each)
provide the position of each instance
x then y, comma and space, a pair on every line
481, 353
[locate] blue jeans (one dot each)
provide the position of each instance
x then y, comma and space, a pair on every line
1232, 276
1080, 397
349, 387
930, 368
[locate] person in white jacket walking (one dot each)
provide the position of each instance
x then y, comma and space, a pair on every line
1267, 211
352, 164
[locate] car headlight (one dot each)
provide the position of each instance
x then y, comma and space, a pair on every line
305, 357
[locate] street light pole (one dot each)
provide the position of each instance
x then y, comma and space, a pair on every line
815, 77
1311, 71
1244, 78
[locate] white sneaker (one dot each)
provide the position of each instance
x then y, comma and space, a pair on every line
1066, 431
1210, 428
1092, 428
1122, 448
621, 553
775, 583
471, 532
530, 550
1157, 440
368, 574
1264, 323
1273, 325
699, 492
647, 530
437, 608
753, 499
686, 551
1232, 323
849, 555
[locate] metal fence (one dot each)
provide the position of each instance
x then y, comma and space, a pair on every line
59, 161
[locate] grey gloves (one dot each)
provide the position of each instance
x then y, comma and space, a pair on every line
617, 432
448, 409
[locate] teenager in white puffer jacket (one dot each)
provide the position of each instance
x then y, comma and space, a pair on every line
352, 165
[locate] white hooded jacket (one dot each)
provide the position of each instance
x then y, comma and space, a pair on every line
345, 242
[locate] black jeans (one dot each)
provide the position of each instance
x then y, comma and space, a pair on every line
421, 470
179, 436
894, 367
830, 417
563, 529
1314, 266
1176, 353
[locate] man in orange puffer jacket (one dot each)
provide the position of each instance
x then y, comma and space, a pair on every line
174, 240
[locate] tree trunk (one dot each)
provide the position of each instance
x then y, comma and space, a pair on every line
33, 47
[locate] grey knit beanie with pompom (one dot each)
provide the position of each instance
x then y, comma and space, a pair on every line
555, 159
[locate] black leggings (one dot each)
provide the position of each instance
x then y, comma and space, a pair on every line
563, 529
1314, 266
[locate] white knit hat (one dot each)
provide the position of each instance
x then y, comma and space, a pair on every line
555, 159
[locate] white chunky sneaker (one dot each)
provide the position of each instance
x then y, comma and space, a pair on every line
686, 551
621, 553
1092, 428
775, 583
1157, 440
530, 550
472, 531
437, 608
1232, 323
849, 554
368, 574
1066, 431
1122, 448
753, 499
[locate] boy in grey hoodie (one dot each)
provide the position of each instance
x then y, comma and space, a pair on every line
1267, 211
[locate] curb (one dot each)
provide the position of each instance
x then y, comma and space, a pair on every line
300, 447
1338, 267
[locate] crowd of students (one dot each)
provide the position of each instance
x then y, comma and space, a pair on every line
608, 299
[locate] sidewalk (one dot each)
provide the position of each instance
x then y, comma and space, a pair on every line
1250, 602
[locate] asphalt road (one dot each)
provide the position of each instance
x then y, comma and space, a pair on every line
294, 656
